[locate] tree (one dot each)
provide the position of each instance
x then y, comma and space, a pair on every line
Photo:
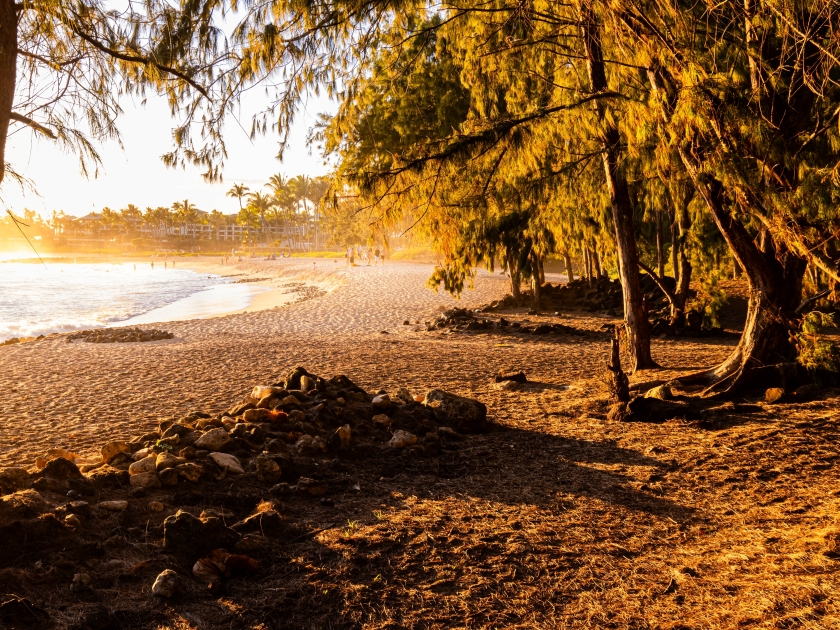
238, 191
259, 204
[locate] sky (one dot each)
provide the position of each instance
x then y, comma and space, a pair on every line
135, 173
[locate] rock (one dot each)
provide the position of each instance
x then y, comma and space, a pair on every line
774, 394
227, 462
404, 395
296, 415
340, 440
310, 487
213, 440
382, 420
187, 535
175, 429
290, 401
419, 398
156, 506
293, 378
145, 465
256, 415
506, 385
12, 479
60, 468
167, 584
110, 450
80, 583
268, 471
401, 439
662, 392
188, 452
307, 383
642, 409
251, 543
108, 477
168, 477
465, 415
803, 393
113, 506
518, 377
147, 481
167, 460
268, 523
71, 520
172, 440
22, 504
96, 618
190, 472
306, 446
261, 391
383, 401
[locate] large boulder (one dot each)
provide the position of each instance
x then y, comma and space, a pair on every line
190, 536
60, 468
465, 415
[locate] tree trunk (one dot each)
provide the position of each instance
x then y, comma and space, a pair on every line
675, 243
535, 274
541, 268
567, 261
660, 245
636, 322
8, 73
587, 265
775, 278
515, 281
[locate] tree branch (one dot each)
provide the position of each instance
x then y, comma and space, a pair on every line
141, 60
668, 293
31, 123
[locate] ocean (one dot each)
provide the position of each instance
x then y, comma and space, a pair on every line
38, 299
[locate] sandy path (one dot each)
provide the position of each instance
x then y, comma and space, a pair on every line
78, 395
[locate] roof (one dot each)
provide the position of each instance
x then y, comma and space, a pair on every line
93, 216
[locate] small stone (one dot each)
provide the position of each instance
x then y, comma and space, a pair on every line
146, 481
419, 398
213, 440
156, 506
268, 471
110, 450
113, 506
341, 438
463, 414
167, 460
383, 401
296, 415
305, 445
662, 392
311, 487
256, 415
80, 583
404, 395
307, 383
71, 520
143, 453
340, 400
185, 534
290, 401
190, 472
168, 477
507, 385
401, 439
188, 452
172, 440
227, 462
382, 420
774, 394
167, 584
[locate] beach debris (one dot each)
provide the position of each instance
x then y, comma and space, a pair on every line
167, 584
119, 335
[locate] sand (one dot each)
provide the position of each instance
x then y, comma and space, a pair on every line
557, 518
78, 395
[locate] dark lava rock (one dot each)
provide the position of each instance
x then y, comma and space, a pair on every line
642, 409
465, 415
187, 535
60, 468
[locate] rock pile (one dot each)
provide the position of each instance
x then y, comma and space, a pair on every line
462, 319
119, 335
287, 439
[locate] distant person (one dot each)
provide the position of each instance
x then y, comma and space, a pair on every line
153, 264
352, 257
135, 267
376, 257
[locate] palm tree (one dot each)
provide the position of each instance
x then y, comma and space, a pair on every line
238, 191
259, 203
281, 199
187, 214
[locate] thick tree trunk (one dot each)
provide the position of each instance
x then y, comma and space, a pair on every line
675, 244
636, 322
600, 267
775, 277
8, 73
541, 268
587, 265
515, 282
567, 261
535, 274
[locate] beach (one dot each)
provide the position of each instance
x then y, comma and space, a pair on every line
79, 395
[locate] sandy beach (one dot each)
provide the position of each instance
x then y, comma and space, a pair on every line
78, 395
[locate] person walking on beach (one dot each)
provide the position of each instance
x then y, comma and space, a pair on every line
376, 257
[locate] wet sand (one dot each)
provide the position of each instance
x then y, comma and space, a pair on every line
79, 395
